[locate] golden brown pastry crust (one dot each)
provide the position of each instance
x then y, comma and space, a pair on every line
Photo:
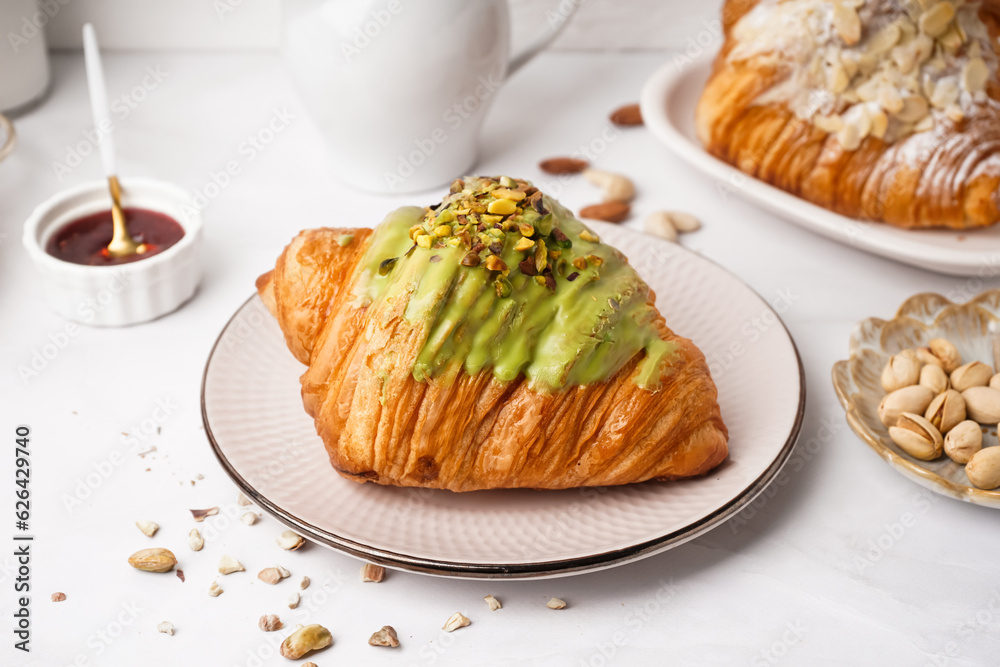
381, 425
945, 177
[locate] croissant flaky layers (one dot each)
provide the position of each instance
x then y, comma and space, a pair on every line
881, 110
482, 345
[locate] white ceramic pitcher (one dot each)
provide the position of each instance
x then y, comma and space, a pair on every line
400, 88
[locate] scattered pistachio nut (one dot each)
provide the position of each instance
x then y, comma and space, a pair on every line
215, 590
972, 374
249, 518
166, 627
372, 573
492, 603
385, 637
228, 565
983, 470
934, 378
58, 597
563, 165
917, 437
963, 441
946, 410
946, 351
982, 404
201, 515
290, 540
915, 398
455, 621
304, 584
305, 640
272, 575
153, 560
270, 623
900, 371
195, 540
309, 664
148, 528
610, 211
556, 603
995, 382
293, 600
614, 187
659, 223
925, 355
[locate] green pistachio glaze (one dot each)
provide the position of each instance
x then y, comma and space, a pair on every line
581, 332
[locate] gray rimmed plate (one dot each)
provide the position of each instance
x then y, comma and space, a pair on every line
971, 326
255, 422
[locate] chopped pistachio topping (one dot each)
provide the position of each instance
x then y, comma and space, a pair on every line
483, 216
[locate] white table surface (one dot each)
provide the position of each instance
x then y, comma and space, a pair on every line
841, 562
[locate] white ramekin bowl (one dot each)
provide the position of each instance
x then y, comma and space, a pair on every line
123, 294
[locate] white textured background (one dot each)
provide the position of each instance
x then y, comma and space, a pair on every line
250, 24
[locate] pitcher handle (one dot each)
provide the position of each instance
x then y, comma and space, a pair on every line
11, 137
557, 20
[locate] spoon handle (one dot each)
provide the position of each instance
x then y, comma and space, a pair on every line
99, 99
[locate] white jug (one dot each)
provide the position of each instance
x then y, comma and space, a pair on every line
400, 88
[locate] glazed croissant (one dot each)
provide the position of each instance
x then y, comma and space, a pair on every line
490, 342
881, 110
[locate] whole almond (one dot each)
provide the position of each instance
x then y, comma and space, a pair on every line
627, 116
609, 211
563, 165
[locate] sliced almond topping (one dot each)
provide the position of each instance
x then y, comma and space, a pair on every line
975, 74
884, 39
946, 92
914, 109
935, 21
847, 23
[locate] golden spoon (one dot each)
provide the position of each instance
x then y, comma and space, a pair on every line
122, 244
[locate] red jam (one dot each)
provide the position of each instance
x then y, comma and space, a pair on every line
85, 241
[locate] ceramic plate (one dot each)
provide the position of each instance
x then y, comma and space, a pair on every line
256, 424
970, 326
669, 99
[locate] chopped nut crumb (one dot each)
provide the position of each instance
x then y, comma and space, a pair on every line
242, 500
249, 518
290, 540
556, 603
373, 573
304, 584
228, 565
492, 603
293, 600
200, 515
180, 574
385, 637
272, 575
270, 623
215, 590
456, 621
166, 627
148, 528
195, 540
58, 597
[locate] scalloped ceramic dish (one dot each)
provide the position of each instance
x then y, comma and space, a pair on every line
252, 409
971, 326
